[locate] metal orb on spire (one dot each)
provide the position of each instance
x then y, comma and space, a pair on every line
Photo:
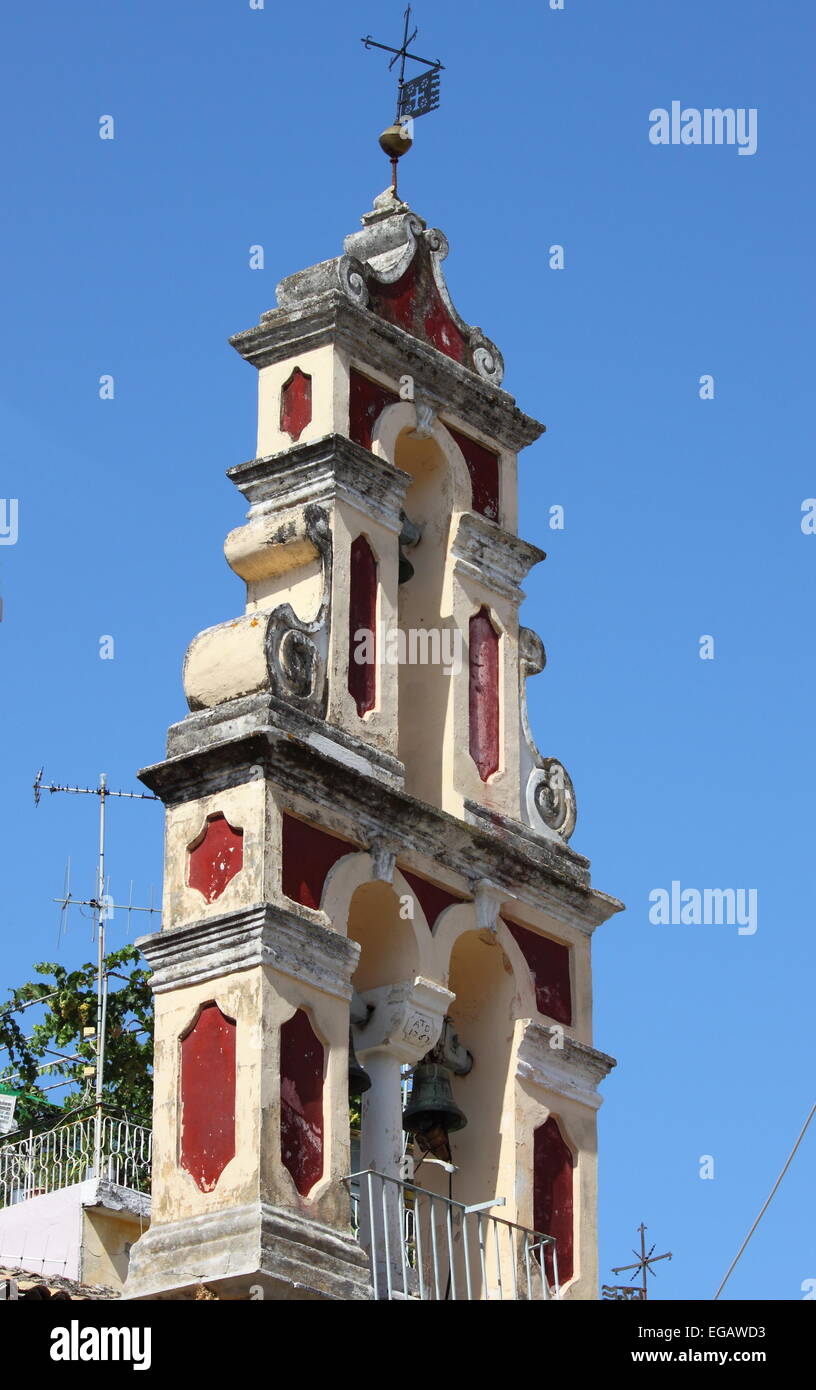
416, 97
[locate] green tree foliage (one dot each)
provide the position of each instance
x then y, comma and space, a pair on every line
69, 1005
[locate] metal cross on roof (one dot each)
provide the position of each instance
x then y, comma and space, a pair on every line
420, 94
643, 1263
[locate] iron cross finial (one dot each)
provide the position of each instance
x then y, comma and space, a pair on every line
420, 94
643, 1265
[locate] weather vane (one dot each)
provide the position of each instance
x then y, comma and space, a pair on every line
644, 1265
416, 97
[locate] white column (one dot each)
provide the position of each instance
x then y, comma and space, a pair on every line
381, 1131
381, 1142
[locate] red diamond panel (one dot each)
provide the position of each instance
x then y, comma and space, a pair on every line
552, 1196
301, 1081
208, 1096
296, 403
215, 857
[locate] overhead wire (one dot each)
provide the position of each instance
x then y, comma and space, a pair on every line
766, 1204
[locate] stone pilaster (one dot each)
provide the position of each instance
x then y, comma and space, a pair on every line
252, 1232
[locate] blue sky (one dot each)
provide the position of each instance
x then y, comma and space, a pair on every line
682, 517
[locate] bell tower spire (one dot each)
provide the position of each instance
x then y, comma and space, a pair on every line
361, 832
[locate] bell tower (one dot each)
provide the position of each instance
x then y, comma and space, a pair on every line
361, 833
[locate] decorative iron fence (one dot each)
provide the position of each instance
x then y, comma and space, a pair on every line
63, 1156
429, 1248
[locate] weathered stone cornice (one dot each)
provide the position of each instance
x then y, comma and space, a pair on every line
572, 1069
319, 471
538, 872
252, 936
333, 318
492, 556
259, 712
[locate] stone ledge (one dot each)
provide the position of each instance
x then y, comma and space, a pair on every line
574, 1070
239, 1250
506, 853
319, 470
485, 552
253, 936
250, 714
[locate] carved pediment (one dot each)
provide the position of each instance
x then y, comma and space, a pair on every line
393, 267
401, 262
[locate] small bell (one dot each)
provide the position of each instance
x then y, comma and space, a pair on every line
410, 535
358, 1078
432, 1113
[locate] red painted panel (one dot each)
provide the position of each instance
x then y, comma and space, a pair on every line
208, 1096
215, 857
301, 1083
432, 899
308, 854
362, 675
549, 963
483, 467
483, 655
414, 303
367, 401
296, 403
552, 1196
440, 329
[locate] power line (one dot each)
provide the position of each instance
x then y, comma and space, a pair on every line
767, 1203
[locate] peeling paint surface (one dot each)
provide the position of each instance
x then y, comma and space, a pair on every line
432, 899
301, 1081
208, 1096
296, 404
483, 467
483, 649
549, 963
307, 854
215, 857
414, 303
552, 1196
362, 675
367, 401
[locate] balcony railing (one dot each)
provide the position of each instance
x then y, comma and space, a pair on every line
429, 1248
61, 1157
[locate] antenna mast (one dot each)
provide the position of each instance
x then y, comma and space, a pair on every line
102, 909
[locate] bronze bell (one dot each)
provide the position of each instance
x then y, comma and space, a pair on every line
410, 535
358, 1078
432, 1108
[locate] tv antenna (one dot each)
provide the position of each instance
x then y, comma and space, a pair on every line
102, 909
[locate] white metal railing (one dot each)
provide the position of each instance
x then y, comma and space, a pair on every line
61, 1157
426, 1247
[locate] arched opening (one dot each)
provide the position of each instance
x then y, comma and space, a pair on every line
482, 1016
388, 946
482, 979
389, 955
429, 643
